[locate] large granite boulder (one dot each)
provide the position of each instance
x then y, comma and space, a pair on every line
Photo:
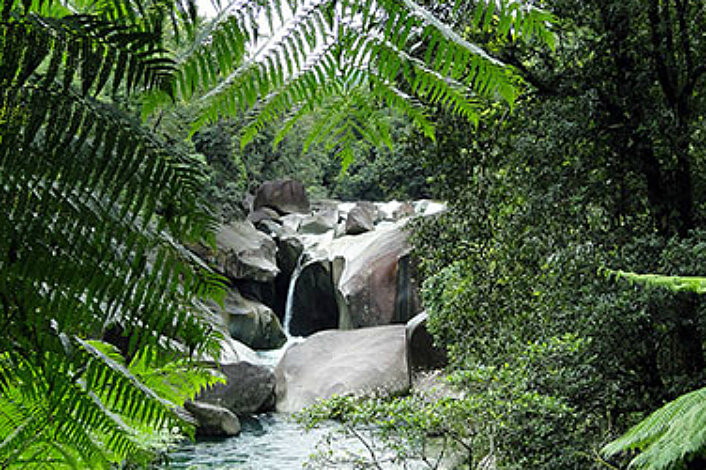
249, 388
360, 219
355, 281
422, 354
252, 323
213, 420
245, 253
285, 196
263, 213
373, 276
336, 362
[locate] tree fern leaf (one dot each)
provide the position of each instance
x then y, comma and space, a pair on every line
670, 435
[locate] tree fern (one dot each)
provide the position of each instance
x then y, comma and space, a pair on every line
675, 433
94, 207
403, 55
670, 436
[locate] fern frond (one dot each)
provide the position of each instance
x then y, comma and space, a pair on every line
234, 69
94, 208
669, 436
513, 19
695, 284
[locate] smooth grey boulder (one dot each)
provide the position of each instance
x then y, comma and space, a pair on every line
252, 323
249, 388
320, 222
422, 354
285, 196
360, 219
245, 253
336, 362
213, 420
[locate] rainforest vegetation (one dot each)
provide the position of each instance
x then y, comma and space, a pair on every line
567, 137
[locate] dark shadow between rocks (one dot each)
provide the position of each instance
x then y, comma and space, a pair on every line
314, 305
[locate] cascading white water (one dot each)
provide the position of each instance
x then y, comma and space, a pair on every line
290, 295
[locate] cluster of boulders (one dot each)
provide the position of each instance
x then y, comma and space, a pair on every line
338, 274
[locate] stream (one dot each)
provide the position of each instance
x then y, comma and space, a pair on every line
269, 441
273, 441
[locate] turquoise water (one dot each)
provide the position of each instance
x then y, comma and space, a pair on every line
267, 442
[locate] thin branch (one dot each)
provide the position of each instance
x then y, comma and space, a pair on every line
365, 443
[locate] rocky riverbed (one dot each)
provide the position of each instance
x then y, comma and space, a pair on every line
322, 300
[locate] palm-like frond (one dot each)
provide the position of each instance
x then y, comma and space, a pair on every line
676, 432
93, 207
668, 437
400, 52
695, 284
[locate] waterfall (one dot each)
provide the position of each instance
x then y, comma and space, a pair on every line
290, 294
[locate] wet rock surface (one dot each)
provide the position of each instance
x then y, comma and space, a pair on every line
422, 354
252, 323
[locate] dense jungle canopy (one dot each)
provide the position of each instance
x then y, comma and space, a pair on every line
567, 137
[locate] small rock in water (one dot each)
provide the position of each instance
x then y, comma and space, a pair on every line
213, 420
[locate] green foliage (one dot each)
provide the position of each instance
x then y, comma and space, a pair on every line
673, 434
669, 437
94, 207
465, 419
343, 62
695, 284
84, 425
